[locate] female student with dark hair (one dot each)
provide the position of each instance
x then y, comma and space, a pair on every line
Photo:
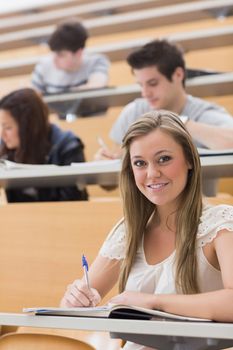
28, 137
170, 252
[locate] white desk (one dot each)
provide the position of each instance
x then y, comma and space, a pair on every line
213, 167
164, 335
194, 40
43, 16
203, 86
9, 7
153, 17
46, 176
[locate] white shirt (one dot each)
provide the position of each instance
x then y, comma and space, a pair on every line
160, 278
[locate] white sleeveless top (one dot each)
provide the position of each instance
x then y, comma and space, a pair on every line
160, 278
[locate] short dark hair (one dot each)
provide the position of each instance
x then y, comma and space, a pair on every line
70, 35
160, 53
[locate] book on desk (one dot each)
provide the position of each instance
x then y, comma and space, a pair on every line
111, 311
206, 152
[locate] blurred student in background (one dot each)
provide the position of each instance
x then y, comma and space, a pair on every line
28, 137
70, 67
159, 69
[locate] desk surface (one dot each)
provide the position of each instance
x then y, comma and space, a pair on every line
166, 15
217, 166
45, 176
194, 40
8, 7
107, 174
176, 328
207, 85
222, 332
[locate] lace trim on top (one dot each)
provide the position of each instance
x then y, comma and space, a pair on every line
114, 245
213, 220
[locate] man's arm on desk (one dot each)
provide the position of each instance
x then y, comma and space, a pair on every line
95, 81
212, 136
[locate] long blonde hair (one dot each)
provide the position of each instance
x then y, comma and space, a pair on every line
138, 209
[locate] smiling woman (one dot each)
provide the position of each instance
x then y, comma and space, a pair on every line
159, 166
170, 252
172, 256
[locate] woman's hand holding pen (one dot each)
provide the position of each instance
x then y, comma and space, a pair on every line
78, 294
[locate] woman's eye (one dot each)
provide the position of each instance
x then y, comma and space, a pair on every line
139, 163
164, 159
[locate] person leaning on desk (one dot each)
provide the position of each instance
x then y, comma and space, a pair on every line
28, 137
159, 69
70, 67
171, 251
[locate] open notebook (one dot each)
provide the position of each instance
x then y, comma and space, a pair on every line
111, 311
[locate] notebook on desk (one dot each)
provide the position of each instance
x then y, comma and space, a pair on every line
205, 152
112, 311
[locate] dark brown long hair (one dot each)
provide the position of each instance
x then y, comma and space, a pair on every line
31, 115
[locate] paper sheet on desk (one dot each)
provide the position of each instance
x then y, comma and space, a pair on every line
9, 165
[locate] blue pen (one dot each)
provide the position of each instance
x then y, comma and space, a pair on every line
85, 269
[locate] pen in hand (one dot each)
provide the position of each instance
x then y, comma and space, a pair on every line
101, 142
93, 295
85, 269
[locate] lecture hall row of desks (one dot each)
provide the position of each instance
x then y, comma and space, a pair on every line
38, 232
120, 66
